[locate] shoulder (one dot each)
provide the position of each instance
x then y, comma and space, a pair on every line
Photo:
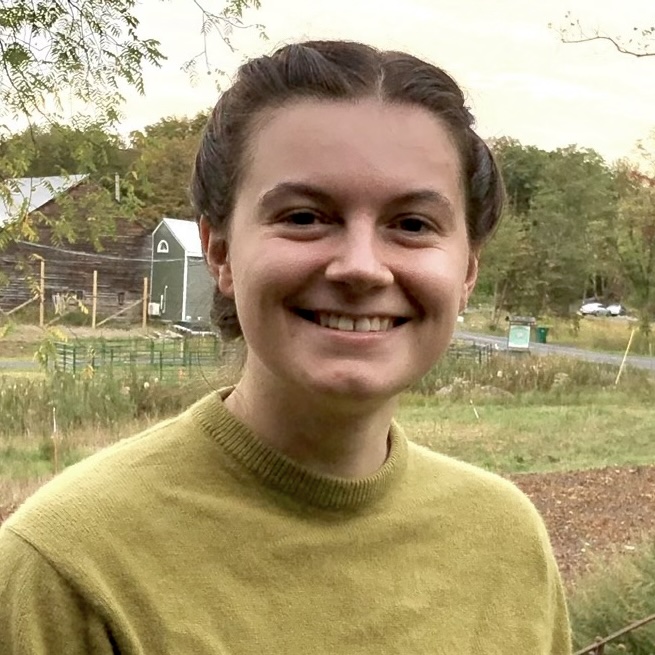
475, 492
103, 488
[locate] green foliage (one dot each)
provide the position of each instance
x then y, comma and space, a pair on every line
523, 374
164, 157
614, 596
60, 149
548, 251
631, 237
29, 406
87, 49
56, 50
574, 228
573, 196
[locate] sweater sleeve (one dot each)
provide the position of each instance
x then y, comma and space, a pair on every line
561, 642
40, 613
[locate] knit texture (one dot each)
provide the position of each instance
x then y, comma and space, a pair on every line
194, 537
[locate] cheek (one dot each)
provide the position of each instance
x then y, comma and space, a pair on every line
436, 277
266, 276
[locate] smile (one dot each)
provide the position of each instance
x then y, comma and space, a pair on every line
346, 323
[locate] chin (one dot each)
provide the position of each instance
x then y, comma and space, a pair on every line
357, 389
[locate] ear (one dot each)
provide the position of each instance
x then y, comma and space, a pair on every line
471, 278
215, 249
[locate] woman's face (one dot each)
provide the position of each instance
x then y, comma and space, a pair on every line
347, 255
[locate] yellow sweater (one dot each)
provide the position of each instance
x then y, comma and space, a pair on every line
195, 538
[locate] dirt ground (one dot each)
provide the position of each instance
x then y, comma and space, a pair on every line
593, 513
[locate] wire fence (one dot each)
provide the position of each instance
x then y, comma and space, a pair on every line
159, 358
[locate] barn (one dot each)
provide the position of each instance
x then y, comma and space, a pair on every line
181, 286
119, 260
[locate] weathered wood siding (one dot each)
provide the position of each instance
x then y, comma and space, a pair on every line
121, 265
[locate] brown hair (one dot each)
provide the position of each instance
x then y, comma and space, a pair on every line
334, 70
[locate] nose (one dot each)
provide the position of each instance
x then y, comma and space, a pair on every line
358, 260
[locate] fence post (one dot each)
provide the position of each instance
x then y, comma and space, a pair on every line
42, 295
144, 315
94, 309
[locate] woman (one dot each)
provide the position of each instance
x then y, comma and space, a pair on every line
343, 200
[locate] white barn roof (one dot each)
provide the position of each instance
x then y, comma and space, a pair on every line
187, 235
34, 192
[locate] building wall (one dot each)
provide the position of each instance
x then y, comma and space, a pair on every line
200, 286
122, 264
167, 275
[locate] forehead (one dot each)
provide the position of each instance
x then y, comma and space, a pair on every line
356, 150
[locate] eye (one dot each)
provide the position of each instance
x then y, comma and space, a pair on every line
413, 225
302, 217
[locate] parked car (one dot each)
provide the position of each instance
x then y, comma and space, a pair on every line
616, 309
594, 309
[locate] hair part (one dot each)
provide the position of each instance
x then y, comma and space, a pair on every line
333, 70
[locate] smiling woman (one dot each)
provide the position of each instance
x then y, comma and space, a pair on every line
343, 199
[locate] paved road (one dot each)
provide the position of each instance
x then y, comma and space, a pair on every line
567, 351
18, 364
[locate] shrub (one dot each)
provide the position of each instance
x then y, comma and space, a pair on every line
31, 406
612, 597
522, 374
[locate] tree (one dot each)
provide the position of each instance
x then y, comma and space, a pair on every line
547, 250
57, 149
639, 43
164, 154
508, 270
574, 195
84, 49
505, 265
631, 237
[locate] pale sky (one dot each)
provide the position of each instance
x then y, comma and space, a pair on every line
521, 81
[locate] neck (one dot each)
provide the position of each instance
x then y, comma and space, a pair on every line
342, 439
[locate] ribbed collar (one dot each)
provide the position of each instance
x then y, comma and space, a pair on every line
277, 471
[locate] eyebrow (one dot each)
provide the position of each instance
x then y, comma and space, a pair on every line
322, 196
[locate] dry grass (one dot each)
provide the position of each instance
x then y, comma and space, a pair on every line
28, 461
607, 334
617, 593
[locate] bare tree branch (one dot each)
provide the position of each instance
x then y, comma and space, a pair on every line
614, 42
641, 42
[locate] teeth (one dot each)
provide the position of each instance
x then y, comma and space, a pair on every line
362, 325
347, 324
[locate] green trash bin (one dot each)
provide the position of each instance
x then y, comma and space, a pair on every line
542, 334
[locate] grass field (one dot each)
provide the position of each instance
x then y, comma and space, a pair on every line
598, 430
532, 432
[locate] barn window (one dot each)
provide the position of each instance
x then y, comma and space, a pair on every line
162, 246
79, 294
121, 298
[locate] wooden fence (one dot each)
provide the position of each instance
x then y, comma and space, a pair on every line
65, 302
